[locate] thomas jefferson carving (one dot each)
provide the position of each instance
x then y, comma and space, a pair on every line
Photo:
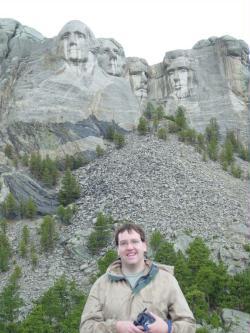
111, 56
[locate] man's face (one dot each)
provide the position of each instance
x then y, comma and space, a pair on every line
178, 79
111, 58
131, 249
74, 41
139, 83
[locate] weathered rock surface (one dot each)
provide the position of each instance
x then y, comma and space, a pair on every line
236, 321
58, 94
23, 187
210, 80
76, 81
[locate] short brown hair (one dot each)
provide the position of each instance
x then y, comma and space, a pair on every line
129, 227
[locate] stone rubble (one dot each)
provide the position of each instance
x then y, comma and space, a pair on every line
163, 186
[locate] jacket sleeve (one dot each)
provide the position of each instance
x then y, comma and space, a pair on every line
92, 319
182, 318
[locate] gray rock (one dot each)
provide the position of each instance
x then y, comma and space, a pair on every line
23, 187
60, 88
236, 321
210, 80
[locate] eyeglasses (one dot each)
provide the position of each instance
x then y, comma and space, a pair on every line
133, 242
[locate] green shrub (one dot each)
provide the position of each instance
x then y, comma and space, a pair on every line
23, 245
70, 189
119, 140
165, 253
180, 118
9, 207
65, 214
197, 302
28, 209
162, 133
3, 225
236, 170
48, 235
5, 252
227, 152
149, 112
10, 303
246, 247
33, 256
110, 133
159, 113
155, 240
188, 135
143, 126
99, 151
244, 152
212, 149
105, 261
173, 127
212, 132
58, 310
101, 234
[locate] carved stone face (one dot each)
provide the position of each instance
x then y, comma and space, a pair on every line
178, 74
75, 40
111, 57
138, 76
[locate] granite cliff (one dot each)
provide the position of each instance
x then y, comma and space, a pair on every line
58, 95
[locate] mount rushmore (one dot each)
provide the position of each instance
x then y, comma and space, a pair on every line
59, 95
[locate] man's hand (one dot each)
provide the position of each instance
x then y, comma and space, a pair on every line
128, 327
159, 326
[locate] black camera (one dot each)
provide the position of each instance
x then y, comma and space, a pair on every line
144, 319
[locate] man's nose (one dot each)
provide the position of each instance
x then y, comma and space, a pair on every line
72, 40
144, 78
176, 76
112, 55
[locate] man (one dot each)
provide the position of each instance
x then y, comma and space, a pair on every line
137, 71
77, 47
132, 284
179, 74
111, 57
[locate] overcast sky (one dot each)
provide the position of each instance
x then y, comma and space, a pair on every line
145, 28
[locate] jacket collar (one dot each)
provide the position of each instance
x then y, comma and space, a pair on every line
114, 272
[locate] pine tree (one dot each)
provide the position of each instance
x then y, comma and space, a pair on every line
31, 209
99, 151
70, 189
65, 214
143, 126
5, 252
33, 256
180, 118
99, 238
10, 302
9, 207
119, 140
48, 233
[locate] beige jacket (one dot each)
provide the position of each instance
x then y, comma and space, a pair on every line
111, 299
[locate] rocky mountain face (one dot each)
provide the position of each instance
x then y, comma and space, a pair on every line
58, 95
163, 186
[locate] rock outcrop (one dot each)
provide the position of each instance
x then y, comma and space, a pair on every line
61, 92
58, 94
210, 80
